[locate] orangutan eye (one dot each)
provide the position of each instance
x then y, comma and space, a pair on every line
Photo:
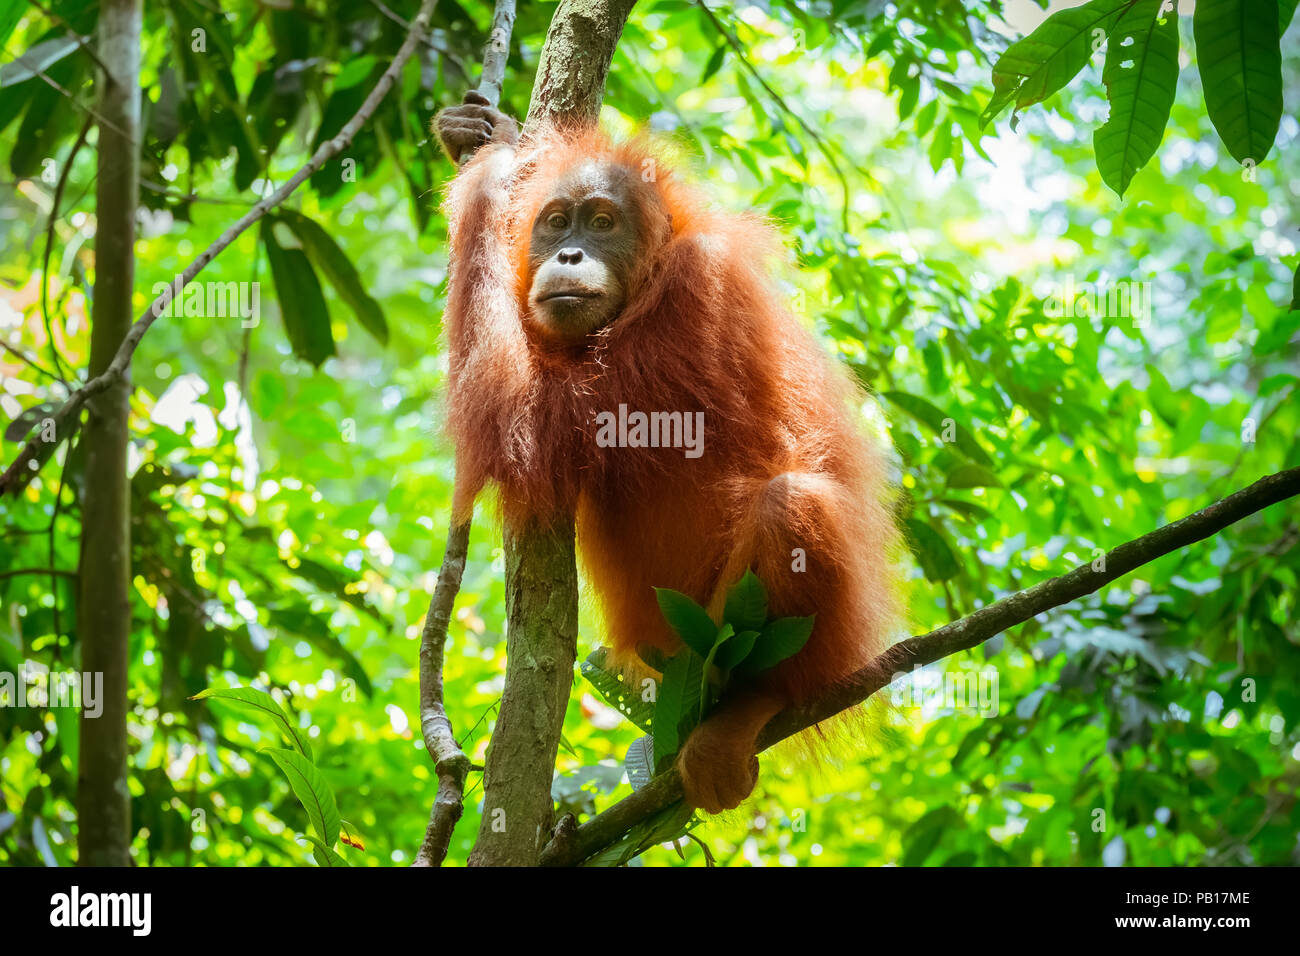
602, 220
557, 220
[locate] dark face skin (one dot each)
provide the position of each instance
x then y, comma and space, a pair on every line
582, 251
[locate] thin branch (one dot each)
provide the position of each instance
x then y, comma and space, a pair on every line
497, 52
450, 761
49, 242
40, 572
20, 472
971, 631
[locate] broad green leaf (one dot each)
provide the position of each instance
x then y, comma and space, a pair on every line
932, 551
746, 607
1277, 335
1141, 76
778, 640
312, 792
725, 634
714, 64
11, 11
354, 71
37, 60
260, 700
691, 622
1036, 66
677, 710
302, 306
1295, 290
942, 424
736, 650
325, 856
622, 694
972, 476
925, 834
326, 256
1239, 55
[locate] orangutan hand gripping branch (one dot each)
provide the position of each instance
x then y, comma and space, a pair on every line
588, 286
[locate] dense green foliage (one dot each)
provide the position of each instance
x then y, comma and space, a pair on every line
291, 484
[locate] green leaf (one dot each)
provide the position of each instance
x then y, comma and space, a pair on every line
932, 551
678, 706
714, 64
37, 60
779, 639
354, 71
1141, 77
691, 622
11, 11
736, 650
1295, 290
926, 833
1036, 66
1277, 335
746, 608
325, 856
1239, 55
941, 423
972, 476
312, 792
260, 700
326, 256
618, 690
302, 306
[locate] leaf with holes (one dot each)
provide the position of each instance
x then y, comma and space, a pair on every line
1141, 76
1036, 66
617, 690
1239, 55
640, 762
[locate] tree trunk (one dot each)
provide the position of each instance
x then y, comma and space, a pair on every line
541, 644
541, 574
103, 603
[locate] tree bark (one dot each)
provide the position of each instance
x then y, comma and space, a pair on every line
103, 600
541, 571
580, 43
541, 646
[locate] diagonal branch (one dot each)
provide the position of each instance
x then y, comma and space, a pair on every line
970, 631
35, 452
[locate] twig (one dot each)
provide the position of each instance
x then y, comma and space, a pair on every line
972, 630
497, 52
49, 242
449, 760
13, 572
20, 472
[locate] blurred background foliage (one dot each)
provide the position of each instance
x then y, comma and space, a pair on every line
290, 501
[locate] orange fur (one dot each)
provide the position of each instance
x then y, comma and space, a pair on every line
784, 467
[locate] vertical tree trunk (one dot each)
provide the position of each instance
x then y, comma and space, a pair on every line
541, 644
103, 604
541, 575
